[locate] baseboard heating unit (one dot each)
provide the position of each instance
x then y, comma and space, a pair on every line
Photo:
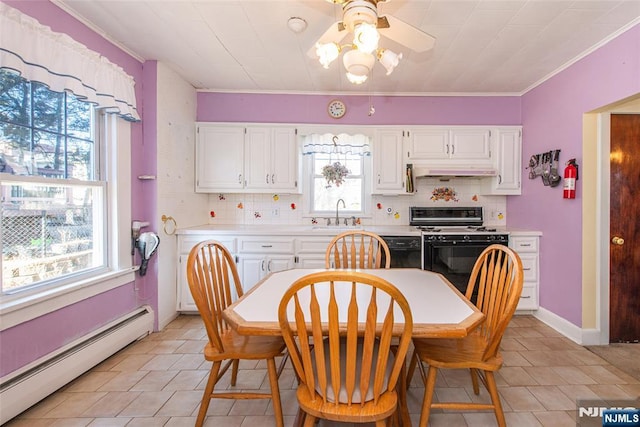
21, 390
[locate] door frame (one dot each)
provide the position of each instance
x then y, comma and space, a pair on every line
602, 220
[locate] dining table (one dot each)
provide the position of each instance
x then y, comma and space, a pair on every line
438, 309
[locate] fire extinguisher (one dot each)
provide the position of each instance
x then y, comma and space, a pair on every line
570, 177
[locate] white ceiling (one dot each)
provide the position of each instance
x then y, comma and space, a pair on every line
482, 46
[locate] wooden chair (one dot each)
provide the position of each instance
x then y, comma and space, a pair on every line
356, 358
497, 275
211, 273
357, 249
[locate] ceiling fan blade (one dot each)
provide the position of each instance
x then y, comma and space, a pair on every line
335, 33
407, 35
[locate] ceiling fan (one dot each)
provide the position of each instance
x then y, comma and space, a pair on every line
360, 18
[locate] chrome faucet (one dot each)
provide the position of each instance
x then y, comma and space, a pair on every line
337, 206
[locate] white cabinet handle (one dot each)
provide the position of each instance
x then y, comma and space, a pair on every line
273, 176
527, 297
266, 178
267, 246
269, 266
262, 265
239, 178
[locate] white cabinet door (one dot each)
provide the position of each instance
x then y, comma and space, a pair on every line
388, 164
450, 144
185, 300
271, 159
277, 263
284, 160
219, 158
508, 162
428, 143
258, 158
253, 267
471, 144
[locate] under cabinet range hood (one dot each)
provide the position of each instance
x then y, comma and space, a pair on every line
453, 171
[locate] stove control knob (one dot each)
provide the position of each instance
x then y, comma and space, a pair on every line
466, 238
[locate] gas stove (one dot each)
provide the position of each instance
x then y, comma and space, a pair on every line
454, 224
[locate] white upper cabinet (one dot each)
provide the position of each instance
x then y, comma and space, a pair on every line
219, 158
271, 159
438, 145
388, 163
246, 159
508, 162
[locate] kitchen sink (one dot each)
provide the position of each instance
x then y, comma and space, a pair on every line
337, 228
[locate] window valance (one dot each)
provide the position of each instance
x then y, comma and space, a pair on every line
336, 144
56, 60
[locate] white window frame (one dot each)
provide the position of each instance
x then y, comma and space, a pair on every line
115, 164
307, 171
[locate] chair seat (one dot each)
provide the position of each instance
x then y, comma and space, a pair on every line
369, 412
456, 353
238, 346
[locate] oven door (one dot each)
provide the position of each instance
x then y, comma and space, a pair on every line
454, 260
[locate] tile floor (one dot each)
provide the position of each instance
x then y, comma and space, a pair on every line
158, 381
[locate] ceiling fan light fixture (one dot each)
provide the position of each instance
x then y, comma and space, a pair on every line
356, 80
358, 65
366, 37
389, 59
327, 53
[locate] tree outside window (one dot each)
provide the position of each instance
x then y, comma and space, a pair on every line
52, 202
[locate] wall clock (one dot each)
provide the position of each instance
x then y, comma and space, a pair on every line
336, 108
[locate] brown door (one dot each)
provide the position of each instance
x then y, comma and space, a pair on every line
624, 322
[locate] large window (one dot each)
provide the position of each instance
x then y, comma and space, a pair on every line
324, 195
52, 194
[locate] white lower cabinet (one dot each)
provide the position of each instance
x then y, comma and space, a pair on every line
527, 247
254, 267
184, 300
261, 255
310, 251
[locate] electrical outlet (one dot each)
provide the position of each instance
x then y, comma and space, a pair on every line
275, 212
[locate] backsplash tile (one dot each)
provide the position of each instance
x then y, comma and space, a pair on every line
265, 209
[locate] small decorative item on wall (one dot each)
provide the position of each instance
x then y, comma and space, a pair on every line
212, 214
221, 197
293, 206
335, 173
444, 193
314, 221
257, 214
276, 197
240, 205
474, 198
379, 205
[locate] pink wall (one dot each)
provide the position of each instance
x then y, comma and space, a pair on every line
31, 340
551, 119
407, 110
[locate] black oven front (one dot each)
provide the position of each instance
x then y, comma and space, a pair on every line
454, 255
